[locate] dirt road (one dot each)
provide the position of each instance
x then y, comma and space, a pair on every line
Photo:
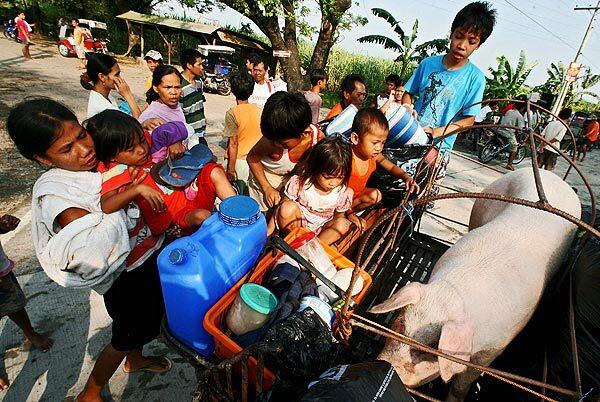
77, 319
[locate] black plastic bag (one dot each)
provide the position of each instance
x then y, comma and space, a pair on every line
305, 342
372, 381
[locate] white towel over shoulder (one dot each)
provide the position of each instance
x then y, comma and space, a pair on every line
91, 250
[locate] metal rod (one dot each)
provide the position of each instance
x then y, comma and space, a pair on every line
561, 153
536, 169
422, 395
499, 374
573, 334
447, 219
280, 244
513, 200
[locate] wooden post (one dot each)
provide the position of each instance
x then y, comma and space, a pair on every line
167, 43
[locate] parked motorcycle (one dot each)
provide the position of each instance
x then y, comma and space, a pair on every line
10, 30
496, 146
218, 83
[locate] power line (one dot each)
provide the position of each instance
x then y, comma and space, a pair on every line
540, 25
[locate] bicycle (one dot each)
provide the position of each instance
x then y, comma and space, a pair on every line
497, 146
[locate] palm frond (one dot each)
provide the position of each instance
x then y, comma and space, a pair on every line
395, 24
439, 45
591, 94
387, 43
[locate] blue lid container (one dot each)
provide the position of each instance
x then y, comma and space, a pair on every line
197, 270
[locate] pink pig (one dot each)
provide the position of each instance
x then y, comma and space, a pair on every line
485, 288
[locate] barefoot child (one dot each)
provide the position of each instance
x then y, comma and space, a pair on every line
122, 145
287, 135
12, 299
369, 133
318, 197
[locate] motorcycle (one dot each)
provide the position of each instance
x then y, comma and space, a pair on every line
496, 146
218, 83
10, 30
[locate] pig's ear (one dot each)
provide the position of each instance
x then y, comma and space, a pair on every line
410, 294
456, 340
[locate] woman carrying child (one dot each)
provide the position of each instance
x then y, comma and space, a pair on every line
318, 197
102, 75
120, 263
122, 146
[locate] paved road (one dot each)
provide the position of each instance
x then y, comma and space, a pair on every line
77, 319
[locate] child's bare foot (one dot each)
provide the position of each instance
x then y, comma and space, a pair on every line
3, 384
41, 342
155, 364
510, 167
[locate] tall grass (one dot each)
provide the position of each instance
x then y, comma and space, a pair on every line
342, 62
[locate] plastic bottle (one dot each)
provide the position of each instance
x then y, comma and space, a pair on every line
197, 270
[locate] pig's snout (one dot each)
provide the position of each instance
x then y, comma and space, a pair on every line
412, 374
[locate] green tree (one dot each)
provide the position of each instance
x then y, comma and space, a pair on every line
283, 21
508, 81
580, 88
576, 91
409, 53
556, 73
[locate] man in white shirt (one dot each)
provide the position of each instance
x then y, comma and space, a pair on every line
263, 87
554, 133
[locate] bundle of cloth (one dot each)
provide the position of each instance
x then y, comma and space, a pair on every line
88, 252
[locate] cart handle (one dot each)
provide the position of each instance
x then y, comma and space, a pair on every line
280, 244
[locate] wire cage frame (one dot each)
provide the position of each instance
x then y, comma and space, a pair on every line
394, 217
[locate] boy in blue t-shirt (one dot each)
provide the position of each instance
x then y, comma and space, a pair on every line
446, 83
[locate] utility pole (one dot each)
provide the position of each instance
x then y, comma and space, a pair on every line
565, 85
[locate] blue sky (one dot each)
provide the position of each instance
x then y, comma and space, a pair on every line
513, 32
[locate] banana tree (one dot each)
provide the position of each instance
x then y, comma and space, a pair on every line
576, 90
581, 88
409, 53
556, 73
508, 81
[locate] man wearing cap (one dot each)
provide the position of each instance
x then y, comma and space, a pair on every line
153, 59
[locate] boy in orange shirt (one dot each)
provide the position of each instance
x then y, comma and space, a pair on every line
369, 132
242, 127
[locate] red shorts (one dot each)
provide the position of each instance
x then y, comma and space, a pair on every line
205, 199
178, 206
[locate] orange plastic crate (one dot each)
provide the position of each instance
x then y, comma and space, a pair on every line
214, 319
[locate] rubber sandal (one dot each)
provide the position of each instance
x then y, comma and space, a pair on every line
181, 172
152, 368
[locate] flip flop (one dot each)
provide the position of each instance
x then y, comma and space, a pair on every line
181, 172
153, 368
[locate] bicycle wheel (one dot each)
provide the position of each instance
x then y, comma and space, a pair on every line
488, 152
